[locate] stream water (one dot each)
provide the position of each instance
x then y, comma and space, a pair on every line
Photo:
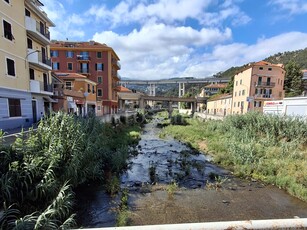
205, 191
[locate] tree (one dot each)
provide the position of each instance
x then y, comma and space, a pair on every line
229, 86
293, 81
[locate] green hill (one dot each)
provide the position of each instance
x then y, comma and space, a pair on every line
298, 56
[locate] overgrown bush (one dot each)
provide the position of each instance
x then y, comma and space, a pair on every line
267, 147
38, 172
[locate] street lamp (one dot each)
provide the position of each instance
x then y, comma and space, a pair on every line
26, 57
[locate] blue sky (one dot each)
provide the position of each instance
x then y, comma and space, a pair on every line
158, 39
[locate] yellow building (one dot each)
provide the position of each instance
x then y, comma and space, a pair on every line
258, 82
39, 64
220, 105
21, 48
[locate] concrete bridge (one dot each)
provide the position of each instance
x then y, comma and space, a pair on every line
180, 81
142, 99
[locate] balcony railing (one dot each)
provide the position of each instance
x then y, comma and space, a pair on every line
40, 87
116, 63
84, 71
265, 84
36, 58
83, 58
263, 96
35, 28
116, 75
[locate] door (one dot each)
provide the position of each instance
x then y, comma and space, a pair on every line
34, 111
45, 80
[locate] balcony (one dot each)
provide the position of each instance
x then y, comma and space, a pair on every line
83, 58
116, 75
84, 71
264, 84
40, 33
263, 96
116, 63
36, 59
40, 88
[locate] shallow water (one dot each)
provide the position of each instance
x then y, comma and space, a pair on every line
224, 198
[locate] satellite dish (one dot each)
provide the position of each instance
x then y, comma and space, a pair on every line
85, 94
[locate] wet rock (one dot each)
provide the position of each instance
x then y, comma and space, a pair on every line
138, 184
226, 202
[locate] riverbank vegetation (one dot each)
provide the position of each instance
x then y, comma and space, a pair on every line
272, 149
39, 173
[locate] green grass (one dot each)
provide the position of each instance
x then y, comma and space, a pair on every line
268, 148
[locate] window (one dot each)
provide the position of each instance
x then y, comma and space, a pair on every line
69, 66
14, 107
235, 94
243, 92
241, 82
93, 89
88, 88
68, 85
54, 53
55, 65
99, 54
99, 92
7, 30
10, 67
261, 68
234, 104
70, 54
27, 13
99, 107
29, 41
257, 103
99, 66
270, 69
31, 73
236, 83
99, 79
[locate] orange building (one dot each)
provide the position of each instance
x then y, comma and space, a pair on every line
258, 82
98, 62
75, 93
219, 105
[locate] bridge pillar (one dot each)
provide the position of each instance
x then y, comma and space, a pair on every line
141, 103
181, 89
121, 104
193, 107
152, 89
170, 109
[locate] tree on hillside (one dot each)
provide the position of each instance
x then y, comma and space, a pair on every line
229, 86
293, 81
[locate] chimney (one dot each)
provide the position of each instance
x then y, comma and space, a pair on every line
92, 42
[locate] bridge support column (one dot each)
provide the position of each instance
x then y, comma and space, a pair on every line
121, 104
170, 109
181, 89
152, 89
193, 107
141, 103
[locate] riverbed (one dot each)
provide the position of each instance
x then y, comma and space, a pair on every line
202, 191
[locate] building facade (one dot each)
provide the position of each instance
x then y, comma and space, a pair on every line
258, 82
220, 105
75, 93
98, 62
15, 88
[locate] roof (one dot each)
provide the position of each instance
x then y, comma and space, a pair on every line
220, 97
259, 63
81, 45
218, 85
123, 89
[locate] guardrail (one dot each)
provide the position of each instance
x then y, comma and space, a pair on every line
248, 224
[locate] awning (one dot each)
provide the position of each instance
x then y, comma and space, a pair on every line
49, 99
71, 105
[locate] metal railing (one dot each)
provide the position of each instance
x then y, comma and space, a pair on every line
265, 84
83, 58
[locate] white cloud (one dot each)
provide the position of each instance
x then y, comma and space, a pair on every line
155, 57
67, 25
292, 6
159, 50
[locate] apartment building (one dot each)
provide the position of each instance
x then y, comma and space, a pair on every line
38, 59
220, 105
213, 88
98, 62
258, 82
74, 93
16, 103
